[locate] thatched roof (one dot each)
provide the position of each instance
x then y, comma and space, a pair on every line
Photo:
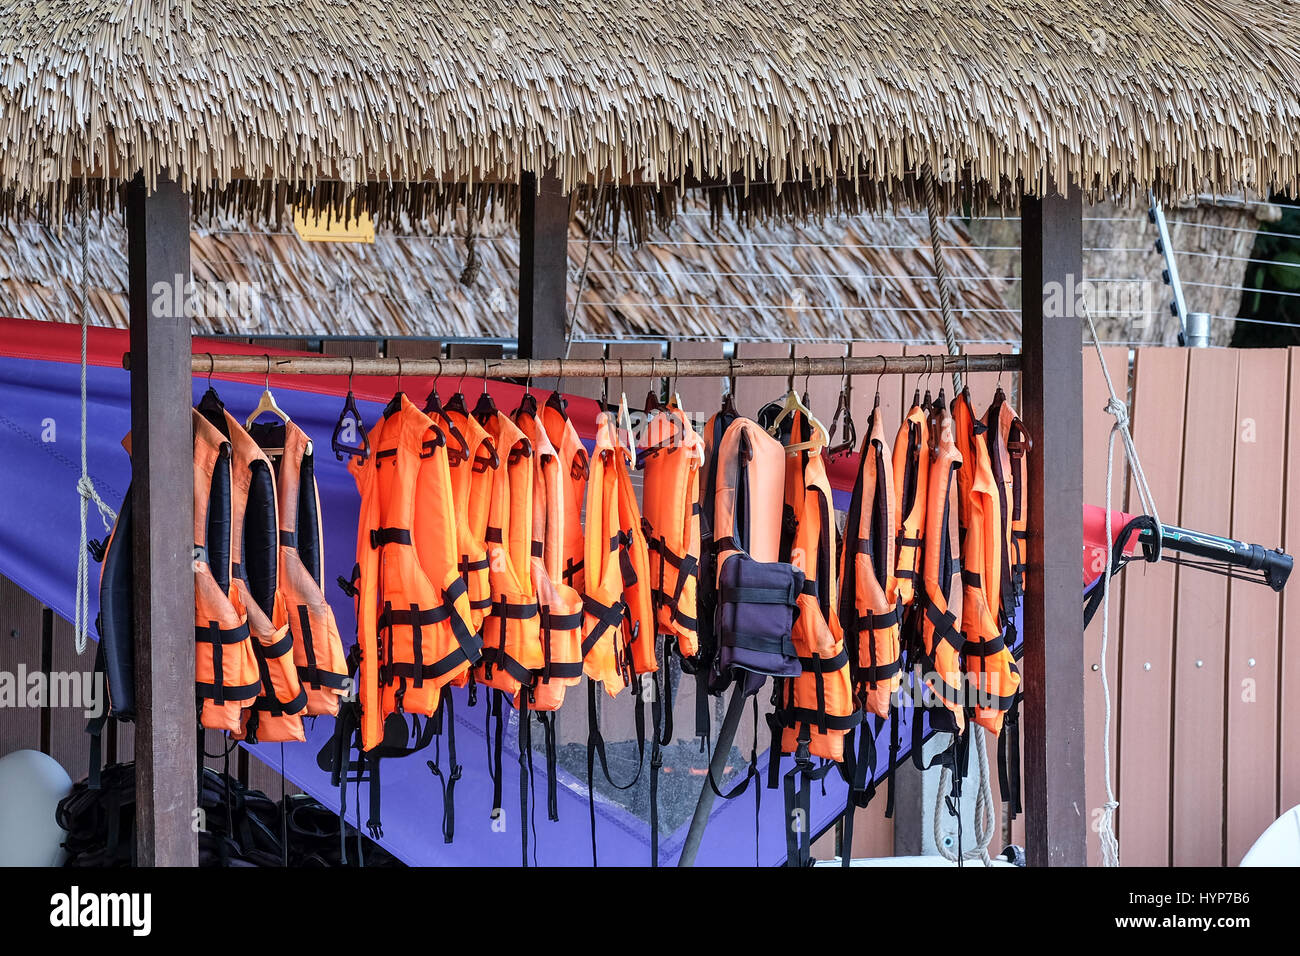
858, 277
250, 101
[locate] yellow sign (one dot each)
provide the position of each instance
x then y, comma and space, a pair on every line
328, 227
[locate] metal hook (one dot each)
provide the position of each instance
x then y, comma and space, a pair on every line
559, 386
807, 374
884, 366
352, 367
266, 383
676, 369
212, 364
622, 386
604, 381
997, 384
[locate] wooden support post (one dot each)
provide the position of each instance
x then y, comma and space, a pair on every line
158, 269
543, 267
1056, 813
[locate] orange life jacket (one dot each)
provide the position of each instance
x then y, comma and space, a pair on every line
987, 659
512, 644
225, 665
1008, 445
911, 472
560, 605
575, 469
757, 593
471, 491
868, 613
618, 621
255, 548
672, 455
300, 582
816, 708
941, 592
412, 632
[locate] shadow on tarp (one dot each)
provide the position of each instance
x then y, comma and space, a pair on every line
39, 434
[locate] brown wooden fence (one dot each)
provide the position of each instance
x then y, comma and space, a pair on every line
1203, 668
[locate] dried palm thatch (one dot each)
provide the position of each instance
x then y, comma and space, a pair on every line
860, 277
255, 103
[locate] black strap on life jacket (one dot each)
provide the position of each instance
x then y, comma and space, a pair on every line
707, 589
445, 719
552, 760
1009, 760
798, 812
656, 762
525, 779
596, 749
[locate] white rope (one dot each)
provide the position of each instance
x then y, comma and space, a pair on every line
985, 815
85, 487
1119, 409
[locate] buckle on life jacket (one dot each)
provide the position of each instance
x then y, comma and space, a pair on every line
382, 536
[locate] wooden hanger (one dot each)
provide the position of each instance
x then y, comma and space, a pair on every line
793, 403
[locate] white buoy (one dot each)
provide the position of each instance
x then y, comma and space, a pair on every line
1279, 845
31, 786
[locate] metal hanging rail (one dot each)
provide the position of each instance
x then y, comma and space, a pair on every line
497, 368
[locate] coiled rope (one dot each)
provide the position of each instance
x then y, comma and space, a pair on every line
85, 487
986, 818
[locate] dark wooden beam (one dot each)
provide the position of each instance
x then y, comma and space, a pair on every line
158, 269
1056, 814
543, 267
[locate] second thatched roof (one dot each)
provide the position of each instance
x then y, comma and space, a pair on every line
850, 278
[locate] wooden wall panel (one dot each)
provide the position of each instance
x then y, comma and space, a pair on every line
586, 387
1146, 653
1202, 606
1289, 643
636, 388
823, 390
20, 649
1251, 668
701, 397
1096, 430
69, 743
893, 391
753, 392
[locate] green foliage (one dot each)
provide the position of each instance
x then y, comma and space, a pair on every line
1272, 286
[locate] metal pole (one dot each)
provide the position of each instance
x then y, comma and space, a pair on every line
495, 368
1198, 330
717, 766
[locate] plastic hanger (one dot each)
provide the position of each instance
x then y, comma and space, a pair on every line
819, 439
350, 408
625, 426
793, 403
486, 408
433, 408
266, 404
844, 405
211, 406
